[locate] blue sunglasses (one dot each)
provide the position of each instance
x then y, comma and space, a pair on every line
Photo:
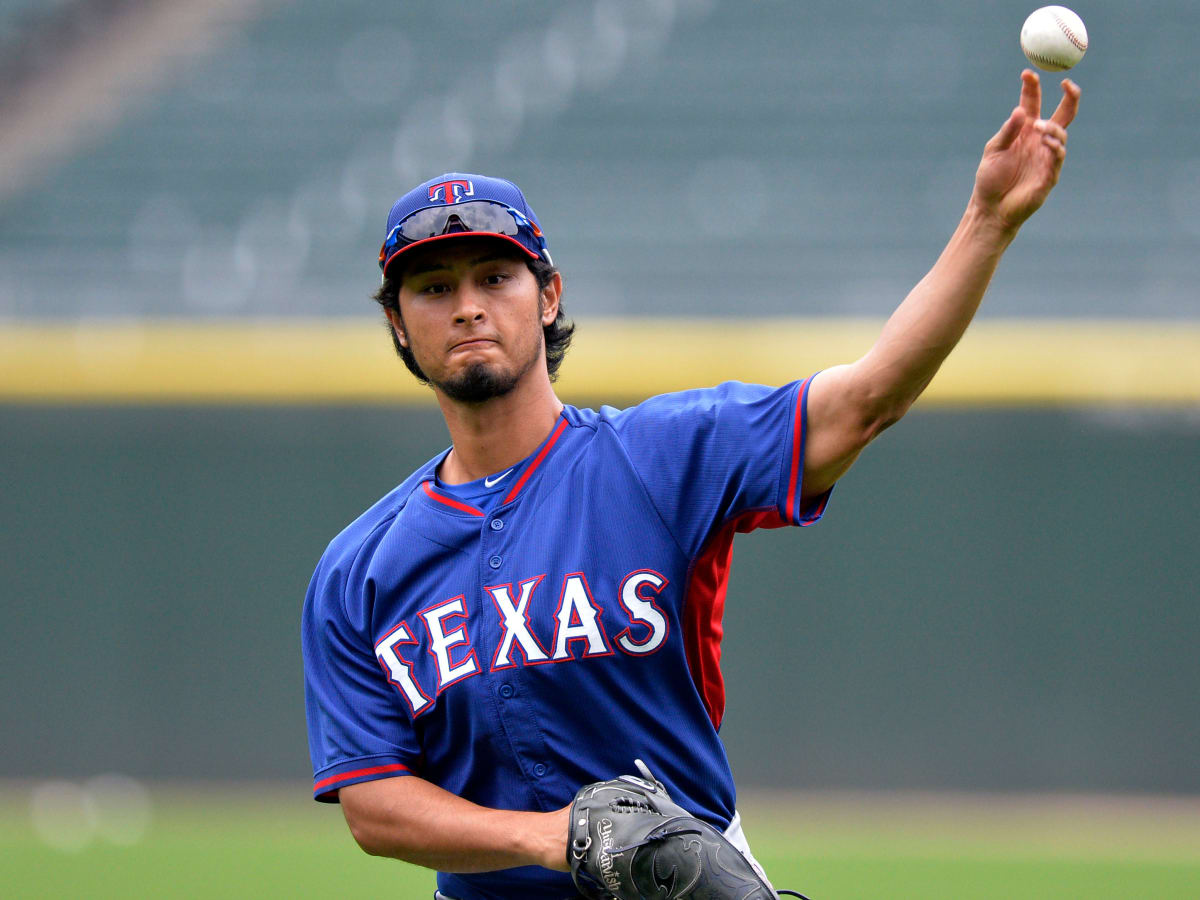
472, 217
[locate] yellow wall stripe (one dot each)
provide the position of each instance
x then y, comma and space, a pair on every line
1000, 362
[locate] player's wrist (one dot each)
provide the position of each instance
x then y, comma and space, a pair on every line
987, 221
548, 839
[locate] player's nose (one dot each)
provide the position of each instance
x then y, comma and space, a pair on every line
468, 305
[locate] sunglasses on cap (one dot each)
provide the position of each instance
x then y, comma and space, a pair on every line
473, 217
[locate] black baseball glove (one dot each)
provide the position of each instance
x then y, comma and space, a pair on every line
630, 841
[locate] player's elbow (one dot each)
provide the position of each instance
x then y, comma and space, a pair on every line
371, 838
373, 843
365, 836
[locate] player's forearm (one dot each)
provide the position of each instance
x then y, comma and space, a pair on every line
923, 330
416, 821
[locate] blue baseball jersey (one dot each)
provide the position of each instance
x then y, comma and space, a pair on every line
517, 638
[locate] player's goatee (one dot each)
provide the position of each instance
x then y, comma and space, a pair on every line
478, 383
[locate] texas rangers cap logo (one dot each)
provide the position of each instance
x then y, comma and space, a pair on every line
453, 191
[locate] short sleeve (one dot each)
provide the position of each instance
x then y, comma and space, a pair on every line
358, 727
709, 456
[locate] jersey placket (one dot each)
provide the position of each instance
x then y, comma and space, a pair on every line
507, 685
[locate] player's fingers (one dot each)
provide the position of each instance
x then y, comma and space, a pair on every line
1008, 132
1054, 139
1031, 94
1068, 105
1051, 128
1057, 147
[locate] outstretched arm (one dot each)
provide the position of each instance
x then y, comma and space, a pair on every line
849, 405
412, 819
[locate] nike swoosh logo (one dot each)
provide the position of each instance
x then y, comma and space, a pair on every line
492, 482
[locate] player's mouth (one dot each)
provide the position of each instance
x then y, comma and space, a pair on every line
472, 344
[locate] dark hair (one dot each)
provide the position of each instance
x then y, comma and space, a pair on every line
557, 334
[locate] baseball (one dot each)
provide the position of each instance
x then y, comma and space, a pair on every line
1054, 38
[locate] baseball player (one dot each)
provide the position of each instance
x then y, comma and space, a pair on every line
540, 604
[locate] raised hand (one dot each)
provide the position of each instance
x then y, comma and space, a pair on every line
1021, 163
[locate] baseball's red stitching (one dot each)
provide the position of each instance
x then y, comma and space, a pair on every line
1052, 64
1066, 29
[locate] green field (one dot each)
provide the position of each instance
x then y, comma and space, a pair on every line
264, 842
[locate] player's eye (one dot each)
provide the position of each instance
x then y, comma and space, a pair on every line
495, 278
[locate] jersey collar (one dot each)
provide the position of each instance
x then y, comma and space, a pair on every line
526, 470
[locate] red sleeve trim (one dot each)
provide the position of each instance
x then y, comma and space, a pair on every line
325, 783
795, 475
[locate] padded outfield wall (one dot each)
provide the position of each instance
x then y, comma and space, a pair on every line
995, 599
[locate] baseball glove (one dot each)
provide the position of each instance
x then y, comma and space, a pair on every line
630, 841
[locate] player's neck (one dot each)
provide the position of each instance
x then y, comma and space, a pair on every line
495, 435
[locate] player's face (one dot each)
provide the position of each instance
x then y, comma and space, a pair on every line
472, 315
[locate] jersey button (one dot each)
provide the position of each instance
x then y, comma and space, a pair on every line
494, 562
539, 770
497, 524
506, 691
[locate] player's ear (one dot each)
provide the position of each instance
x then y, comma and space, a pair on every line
398, 327
551, 294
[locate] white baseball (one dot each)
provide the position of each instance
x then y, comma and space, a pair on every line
1054, 38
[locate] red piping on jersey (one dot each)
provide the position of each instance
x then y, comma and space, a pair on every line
358, 773
704, 598
562, 424
704, 607
450, 501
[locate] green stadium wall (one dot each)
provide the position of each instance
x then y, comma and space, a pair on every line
1001, 599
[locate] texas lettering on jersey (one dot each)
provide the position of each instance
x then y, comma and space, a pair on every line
579, 632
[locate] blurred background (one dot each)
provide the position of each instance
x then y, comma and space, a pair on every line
196, 392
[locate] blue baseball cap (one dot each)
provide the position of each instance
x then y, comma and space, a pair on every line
458, 204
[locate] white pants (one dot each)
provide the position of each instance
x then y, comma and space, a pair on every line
738, 839
735, 836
